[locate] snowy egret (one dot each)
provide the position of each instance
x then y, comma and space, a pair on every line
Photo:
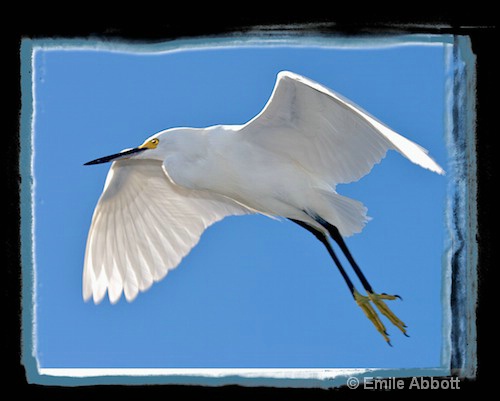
160, 196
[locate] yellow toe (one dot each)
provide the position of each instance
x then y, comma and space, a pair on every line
378, 301
364, 303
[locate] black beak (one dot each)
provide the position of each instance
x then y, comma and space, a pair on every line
116, 156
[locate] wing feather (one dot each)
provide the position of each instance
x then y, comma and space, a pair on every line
327, 134
142, 227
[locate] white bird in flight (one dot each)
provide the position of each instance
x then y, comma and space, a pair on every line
159, 197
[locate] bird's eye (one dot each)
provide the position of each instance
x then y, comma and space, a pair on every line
154, 141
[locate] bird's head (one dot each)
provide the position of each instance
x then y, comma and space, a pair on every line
138, 152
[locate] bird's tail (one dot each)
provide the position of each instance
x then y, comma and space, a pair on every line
347, 214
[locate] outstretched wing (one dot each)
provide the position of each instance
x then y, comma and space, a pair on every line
326, 134
142, 227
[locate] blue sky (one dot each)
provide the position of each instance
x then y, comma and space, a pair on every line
255, 292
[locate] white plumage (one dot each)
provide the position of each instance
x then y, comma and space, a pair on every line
159, 198
142, 227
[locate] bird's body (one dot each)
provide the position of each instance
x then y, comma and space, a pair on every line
218, 161
285, 162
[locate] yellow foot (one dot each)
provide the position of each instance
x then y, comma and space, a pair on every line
378, 301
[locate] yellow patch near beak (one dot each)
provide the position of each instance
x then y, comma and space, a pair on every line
151, 144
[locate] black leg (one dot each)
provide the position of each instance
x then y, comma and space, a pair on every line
324, 240
364, 302
335, 234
